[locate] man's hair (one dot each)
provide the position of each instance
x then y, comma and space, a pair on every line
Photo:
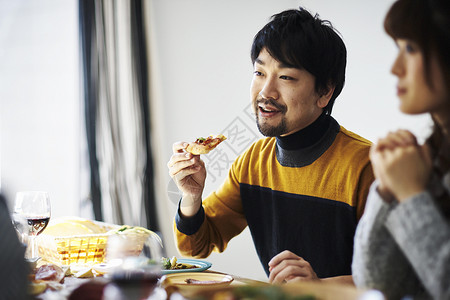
298, 39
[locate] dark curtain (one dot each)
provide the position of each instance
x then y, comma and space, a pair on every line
141, 65
93, 55
90, 74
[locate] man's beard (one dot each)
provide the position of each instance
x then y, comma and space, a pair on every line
268, 130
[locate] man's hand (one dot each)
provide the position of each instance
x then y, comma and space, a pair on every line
189, 173
288, 267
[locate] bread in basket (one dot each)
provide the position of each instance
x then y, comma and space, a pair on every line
72, 240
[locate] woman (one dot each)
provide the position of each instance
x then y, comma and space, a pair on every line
402, 243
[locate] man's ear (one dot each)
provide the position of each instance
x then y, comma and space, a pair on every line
325, 97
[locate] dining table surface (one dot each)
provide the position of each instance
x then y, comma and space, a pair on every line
71, 283
95, 288
101, 284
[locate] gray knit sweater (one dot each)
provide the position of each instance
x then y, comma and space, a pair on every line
403, 249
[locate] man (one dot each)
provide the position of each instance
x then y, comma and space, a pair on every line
302, 189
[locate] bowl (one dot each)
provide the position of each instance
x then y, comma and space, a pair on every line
191, 283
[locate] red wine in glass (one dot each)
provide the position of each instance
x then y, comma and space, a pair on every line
36, 224
135, 284
32, 208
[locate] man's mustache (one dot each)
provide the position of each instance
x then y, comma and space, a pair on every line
272, 103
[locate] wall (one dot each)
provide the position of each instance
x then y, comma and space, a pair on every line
40, 100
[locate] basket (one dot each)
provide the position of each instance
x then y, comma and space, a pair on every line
86, 249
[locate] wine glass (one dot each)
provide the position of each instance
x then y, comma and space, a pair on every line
32, 207
135, 265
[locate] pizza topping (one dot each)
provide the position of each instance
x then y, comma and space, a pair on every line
204, 145
205, 141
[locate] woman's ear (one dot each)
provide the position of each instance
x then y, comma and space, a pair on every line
325, 96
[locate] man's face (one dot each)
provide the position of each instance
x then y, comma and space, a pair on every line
284, 98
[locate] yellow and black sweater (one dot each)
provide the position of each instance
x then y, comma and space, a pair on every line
295, 193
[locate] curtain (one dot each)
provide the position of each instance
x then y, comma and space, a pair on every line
116, 103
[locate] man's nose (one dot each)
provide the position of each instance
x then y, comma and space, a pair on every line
269, 90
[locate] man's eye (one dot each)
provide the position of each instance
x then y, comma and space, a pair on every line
284, 77
257, 73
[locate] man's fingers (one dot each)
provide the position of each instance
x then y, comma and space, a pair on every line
175, 166
297, 279
286, 254
183, 157
179, 147
292, 266
288, 273
183, 173
179, 157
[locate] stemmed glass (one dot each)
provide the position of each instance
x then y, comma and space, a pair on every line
135, 270
31, 215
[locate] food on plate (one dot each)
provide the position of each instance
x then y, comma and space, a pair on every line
49, 272
84, 273
37, 288
173, 264
204, 145
45, 276
73, 269
195, 281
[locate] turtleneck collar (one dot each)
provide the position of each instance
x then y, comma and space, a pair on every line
305, 146
307, 136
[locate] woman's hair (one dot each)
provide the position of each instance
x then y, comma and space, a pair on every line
427, 23
298, 39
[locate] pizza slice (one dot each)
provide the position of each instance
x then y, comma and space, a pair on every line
204, 145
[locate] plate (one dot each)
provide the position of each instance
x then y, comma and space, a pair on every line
205, 281
201, 264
